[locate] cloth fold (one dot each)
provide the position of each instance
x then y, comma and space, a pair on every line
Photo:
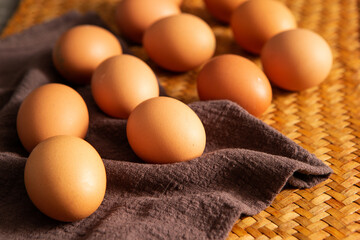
246, 163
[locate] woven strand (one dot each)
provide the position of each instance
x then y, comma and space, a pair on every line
324, 120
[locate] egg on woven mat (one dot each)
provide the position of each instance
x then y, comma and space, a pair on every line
244, 166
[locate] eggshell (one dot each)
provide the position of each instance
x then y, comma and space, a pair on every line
50, 110
165, 130
133, 17
179, 43
81, 49
65, 178
256, 21
177, 2
297, 59
235, 78
222, 10
120, 83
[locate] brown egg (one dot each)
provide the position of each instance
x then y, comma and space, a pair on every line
178, 2
133, 17
81, 49
256, 21
65, 178
50, 110
222, 10
235, 78
165, 130
179, 43
297, 59
120, 83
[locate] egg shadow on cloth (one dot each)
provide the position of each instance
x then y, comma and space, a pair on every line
16, 206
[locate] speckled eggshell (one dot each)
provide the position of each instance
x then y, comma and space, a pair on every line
165, 130
120, 83
65, 178
50, 110
237, 79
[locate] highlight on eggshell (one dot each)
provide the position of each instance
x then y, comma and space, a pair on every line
180, 42
79, 50
133, 17
222, 10
50, 110
254, 22
297, 59
122, 82
237, 79
165, 130
65, 178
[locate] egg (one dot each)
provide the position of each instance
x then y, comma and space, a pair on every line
81, 49
50, 110
65, 178
133, 17
237, 79
297, 59
121, 82
165, 130
222, 10
179, 43
178, 2
256, 21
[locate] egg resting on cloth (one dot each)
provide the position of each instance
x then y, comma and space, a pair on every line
245, 163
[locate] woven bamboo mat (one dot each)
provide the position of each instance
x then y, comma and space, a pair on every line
324, 120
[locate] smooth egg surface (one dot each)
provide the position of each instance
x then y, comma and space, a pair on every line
255, 22
165, 130
237, 79
50, 110
178, 2
222, 10
297, 59
133, 17
79, 51
121, 82
179, 43
65, 178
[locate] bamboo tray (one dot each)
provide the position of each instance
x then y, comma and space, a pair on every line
324, 120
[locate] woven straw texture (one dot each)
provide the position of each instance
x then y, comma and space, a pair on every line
324, 120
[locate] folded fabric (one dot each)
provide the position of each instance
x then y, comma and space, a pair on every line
245, 163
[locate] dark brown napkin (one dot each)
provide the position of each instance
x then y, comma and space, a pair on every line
245, 164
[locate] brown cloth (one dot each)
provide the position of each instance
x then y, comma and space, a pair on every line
245, 163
